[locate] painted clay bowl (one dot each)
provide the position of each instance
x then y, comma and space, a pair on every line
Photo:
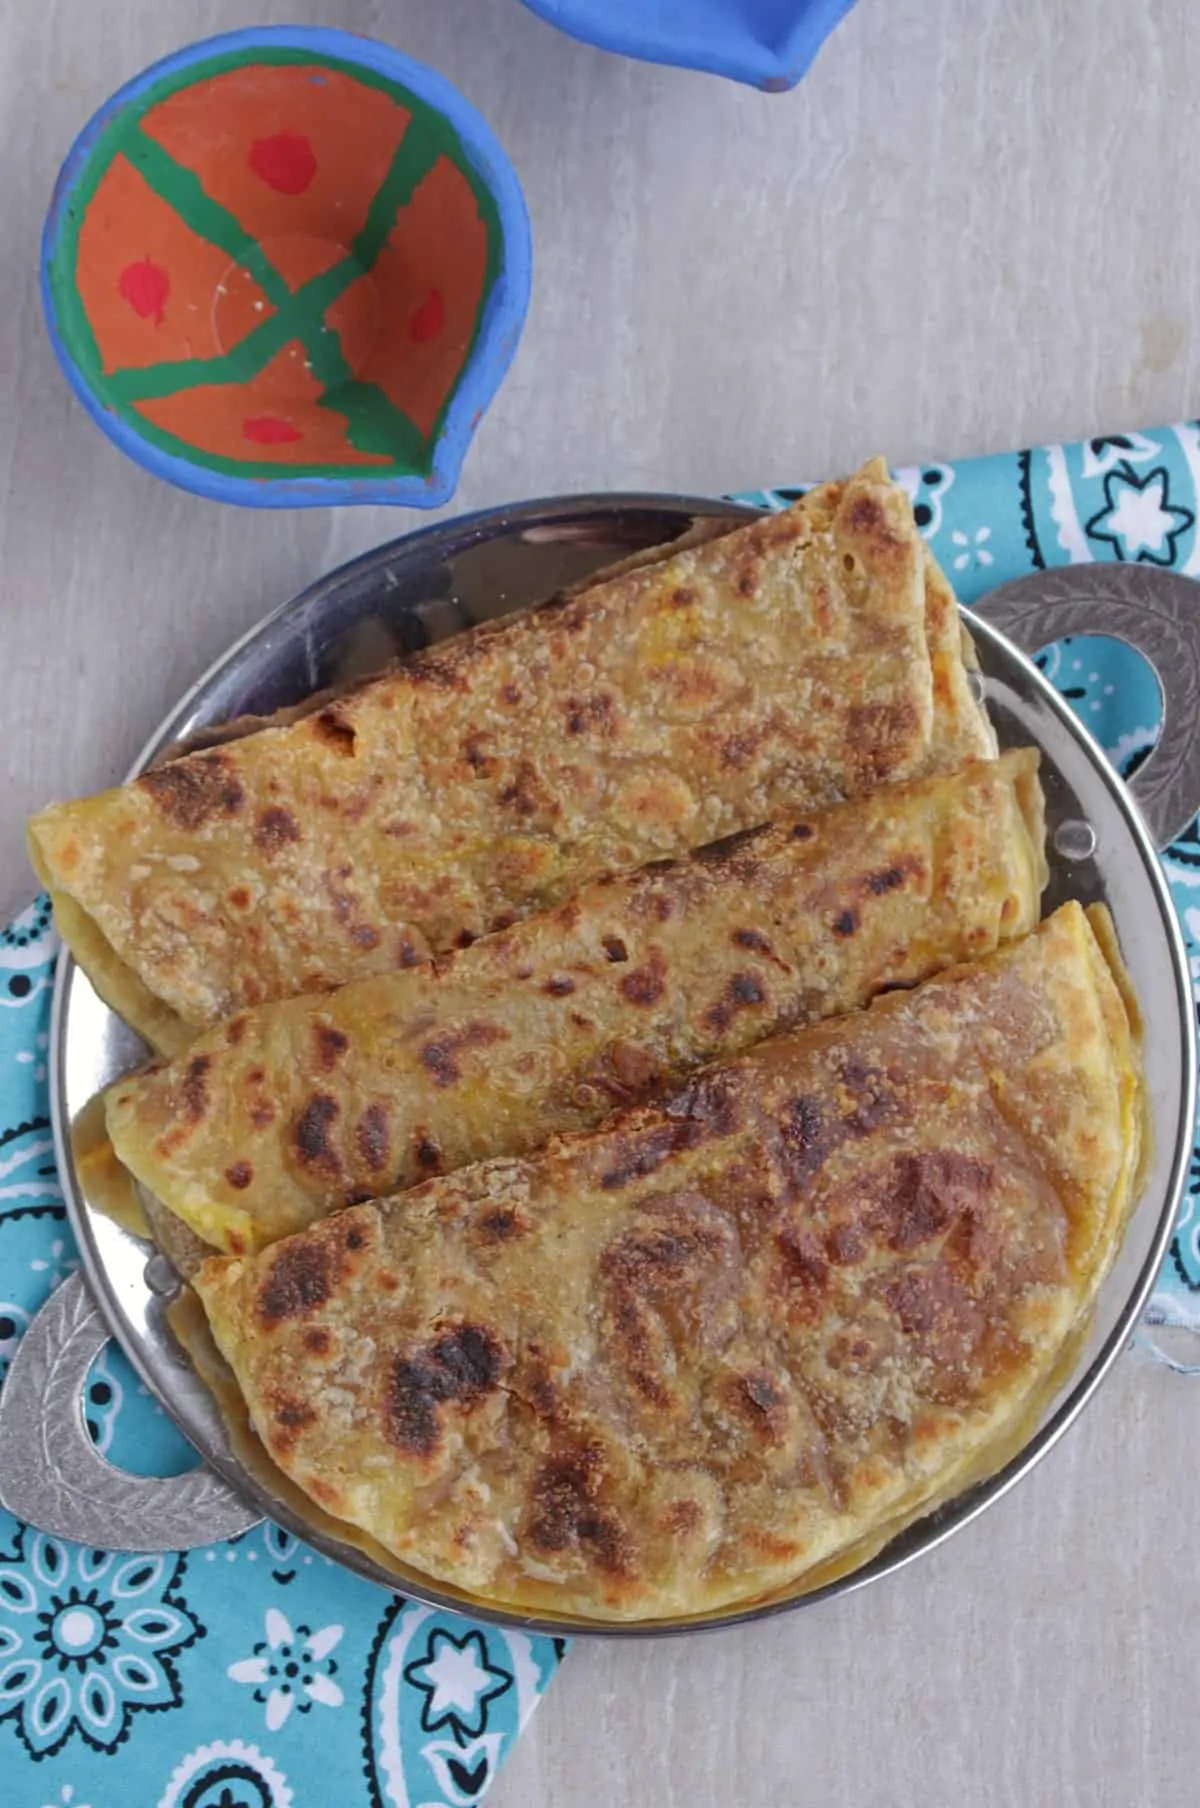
767, 43
288, 267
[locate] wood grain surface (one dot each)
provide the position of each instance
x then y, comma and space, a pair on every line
973, 226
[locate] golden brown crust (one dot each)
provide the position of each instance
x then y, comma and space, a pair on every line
781, 667
723, 1341
305, 1104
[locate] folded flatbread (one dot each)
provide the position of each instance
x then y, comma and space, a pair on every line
805, 658
289, 1111
700, 1354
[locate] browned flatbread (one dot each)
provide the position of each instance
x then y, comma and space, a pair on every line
728, 1341
287, 1112
805, 658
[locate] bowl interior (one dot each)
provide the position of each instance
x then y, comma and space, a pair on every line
275, 262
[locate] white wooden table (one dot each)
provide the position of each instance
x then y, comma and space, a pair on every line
973, 226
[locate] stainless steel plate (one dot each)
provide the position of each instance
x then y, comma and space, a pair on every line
449, 577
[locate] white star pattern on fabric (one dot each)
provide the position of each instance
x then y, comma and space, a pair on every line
58, 1265
457, 1681
975, 550
291, 1669
1139, 521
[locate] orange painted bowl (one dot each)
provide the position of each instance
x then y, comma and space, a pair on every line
288, 267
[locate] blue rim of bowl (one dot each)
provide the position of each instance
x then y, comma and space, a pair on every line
739, 55
499, 329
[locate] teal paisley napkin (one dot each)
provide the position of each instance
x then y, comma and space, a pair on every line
256, 1674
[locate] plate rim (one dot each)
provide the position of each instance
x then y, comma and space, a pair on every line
925, 1534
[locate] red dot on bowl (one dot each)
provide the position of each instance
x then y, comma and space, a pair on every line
428, 320
286, 162
145, 286
269, 430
